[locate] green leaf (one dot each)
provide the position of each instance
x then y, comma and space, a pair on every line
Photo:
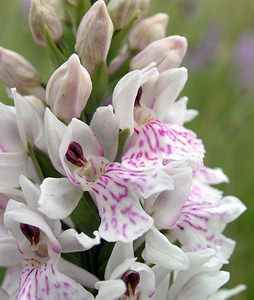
45, 163
85, 216
55, 53
123, 135
119, 38
99, 91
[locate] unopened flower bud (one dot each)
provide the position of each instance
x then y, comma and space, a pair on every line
94, 35
37, 104
43, 14
166, 53
122, 11
68, 89
16, 71
140, 36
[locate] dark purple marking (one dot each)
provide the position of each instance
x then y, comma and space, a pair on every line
74, 154
131, 279
32, 233
138, 97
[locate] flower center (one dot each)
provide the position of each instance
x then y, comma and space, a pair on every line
131, 279
32, 233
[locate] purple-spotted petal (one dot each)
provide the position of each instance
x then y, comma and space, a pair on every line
204, 222
118, 192
155, 143
46, 282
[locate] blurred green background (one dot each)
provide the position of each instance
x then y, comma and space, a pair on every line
221, 86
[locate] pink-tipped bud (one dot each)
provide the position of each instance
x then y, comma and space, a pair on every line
167, 53
122, 11
94, 35
16, 71
68, 89
141, 37
43, 14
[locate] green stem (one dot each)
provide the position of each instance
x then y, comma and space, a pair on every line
31, 153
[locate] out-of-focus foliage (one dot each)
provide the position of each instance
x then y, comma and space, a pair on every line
221, 86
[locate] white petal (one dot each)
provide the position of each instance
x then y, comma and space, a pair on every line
120, 252
9, 254
30, 191
167, 207
105, 126
17, 213
168, 87
3, 295
224, 294
203, 285
12, 166
124, 96
11, 279
54, 133
30, 123
9, 135
110, 290
59, 197
158, 250
78, 274
72, 241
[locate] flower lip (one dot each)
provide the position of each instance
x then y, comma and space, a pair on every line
131, 279
32, 233
75, 155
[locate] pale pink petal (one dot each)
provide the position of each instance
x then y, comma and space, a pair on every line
118, 192
46, 282
211, 176
59, 197
155, 143
72, 241
54, 133
105, 126
201, 223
